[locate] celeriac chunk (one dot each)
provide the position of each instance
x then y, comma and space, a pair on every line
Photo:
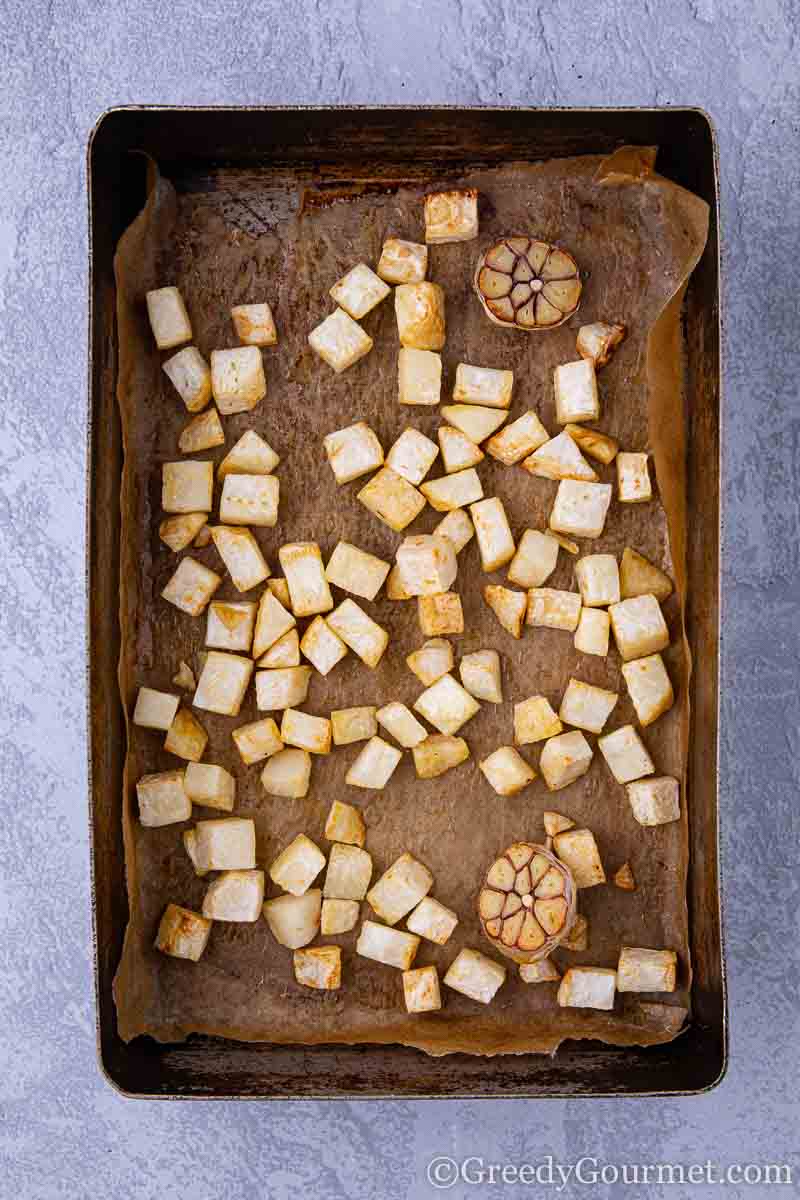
280, 590
223, 683
229, 625
187, 487
633, 478
203, 538
272, 623
286, 687
392, 499
305, 574
542, 971
257, 740
251, 455
182, 933
453, 491
458, 452
421, 990
283, 653
202, 433
374, 766
178, 531
155, 710
186, 737
597, 445
287, 774
534, 721
169, 319
163, 799
451, 216
623, 878
592, 634
476, 976
400, 722
506, 771
399, 889
641, 970
447, 705
238, 382
554, 609
509, 607
518, 440
353, 452
250, 500
412, 455
649, 687
578, 937
349, 872
577, 848
403, 262
626, 754
535, 559
189, 839
639, 627
457, 527
345, 823
598, 341
598, 579
419, 309
255, 324
294, 920
580, 508
586, 706
358, 631
191, 586
190, 375
495, 539
575, 388
426, 565
339, 341
235, 896
322, 647
226, 844
588, 987
440, 614
433, 660
559, 458
392, 947
439, 753
432, 920
655, 801
556, 823
184, 677
242, 556
359, 291
564, 759
338, 916
209, 785
320, 967
353, 725
483, 385
296, 867
475, 421
419, 376
306, 732
638, 577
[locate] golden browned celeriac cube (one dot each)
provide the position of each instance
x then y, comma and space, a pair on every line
184, 677
339, 341
223, 683
535, 559
392, 499
250, 500
155, 710
392, 947
588, 987
374, 766
578, 937
359, 291
338, 916
190, 375
322, 647
457, 527
453, 491
506, 771
639, 627
238, 382
597, 445
447, 705
535, 721
242, 556
598, 579
235, 896
638, 577
403, 262
480, 675
287, 774
400, 888
641, 970
518, 440
578, 849
575, 388
542, 971
474, 420
257, 740
356, 571
564, 759
202, 433
272, 622
458, 452
649, 687
483, 385
305, 574
556, 823
439, 753
495, 539
226, 844
586, 706
283, 653
433, 660
182, 933
163, 799
229, 625
203, 538
432, 920
421, 990
655, 801
186, 737
286, 687
419, 376
349, 872
598, 341
451, 216
358, 631
626, 754
623, 878
419, 309
306, 732
187, 487
509, 607
412, 455
280, 590
440, 614
580, 508
559, 458
191, 586
189, 839
633, 478
209, 785
554, 609
353, 725
353, 451
345, 823
476, 976
296, 867
251, 455
320, 967
564, 542
169, 319
294, 920
426, 565
177, 532
400, 722
255, 324
592, 634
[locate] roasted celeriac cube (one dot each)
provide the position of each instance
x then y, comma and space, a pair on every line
412, 455
155, 710
554, 609
598, 341
184, 677
399, 889
287, 774
633, 478
339, 916
320, 967
305, 574
564, 759
238, 381
191, 586
353, 725
209, 785
447, 705
230, 624
356, 571
235, 896
483, 385
578, 849
639, 627
349, 872
190, 375
339, 341
421, 990
294, 920
474, 420
597, 445
559, 458
623, 878
358, 631
400, 722
189, 839
439, 753
432, 920
480, 675
509, 607
250, 500
419, 376
322, 647
542, 971
575, 388
578, 937
296, 867
592, 634
518, 440
451, 216
535, 559
458, 452
556, 823
251, 455
598, 579
419, 309
257, 740
433, 660
203, 538
649, 687
440, 614
283, 653
187, 487
655, 801
426, 565
474, 975
345, 823
359, 291
535, 721
255, 324
626, 754
580, 508
374, 766
392, 499
495, 539
588, 987
506, 771
202, 433
392, 947
178, 531
272, 623
182, 933
453, 491
306, 732
226, 844
403, 262
586, 706
280, 590
457, 527
242, 556
641, 970
353, 451
286, 687
638, 577
169, 319
163, 799
223, 683
186, 737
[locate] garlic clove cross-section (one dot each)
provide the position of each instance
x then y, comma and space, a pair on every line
527, 284
527, 903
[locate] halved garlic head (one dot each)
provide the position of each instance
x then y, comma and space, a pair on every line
527, 284
527, 903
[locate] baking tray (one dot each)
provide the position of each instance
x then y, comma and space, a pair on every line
379, 145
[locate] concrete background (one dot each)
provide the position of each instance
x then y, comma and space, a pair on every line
64, 1132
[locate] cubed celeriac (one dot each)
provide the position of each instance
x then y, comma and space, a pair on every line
451, 216
598, 579
182, 933
400, 722
458, 452
322, 647
339, 341
475, 421
186, 737
457, 527
338, 916
474, 975
254, 324
554, 609
626, 754
392, 947
432, 921
230, 624
187, 487
169, 319
392, 499
495, 539
272, 622
412, 455
580, 508
280, 590
588, 987
306, 732
250, 500
350, 725
191, 586
189, 839
633, 478
426, 565
535, 721
586, 706
440, 614
238, 381
403, 262
356, 571
223, 683
242, 556
283, 653
358, 631
353, 451
202, 433
184, 677
597, 445
623, 878
155, 710
556, 823
349, 872
319, 967
638, 577
642, 970
294, 920
575, 388
210, 785
400, 888
453, 491
542, 971
518, 440
226, 844
535, 559
480, 675
598, 341
286, 687
433, 660
577, 848
508, 606
419, 376
483, 385
359, 291
374, 766
287, 774
296, 867
506, 771
649, 687
251, 455
257, 740
345, 823
305, 574
178, 531
190, 375
421, 990
162, 799
419, 309
439, 753
559, 458
655, 801
564, 759
639, 627
592, 634
235, 896
447, 705
203, 538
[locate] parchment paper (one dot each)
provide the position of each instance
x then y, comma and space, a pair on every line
248, 235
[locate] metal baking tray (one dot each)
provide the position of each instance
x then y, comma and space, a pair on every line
378, 143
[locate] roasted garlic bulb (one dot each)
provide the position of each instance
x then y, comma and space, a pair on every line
527, 903
527, 284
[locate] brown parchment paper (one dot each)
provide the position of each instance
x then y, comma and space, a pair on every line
242, 236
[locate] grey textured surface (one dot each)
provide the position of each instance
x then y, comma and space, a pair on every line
64, 1131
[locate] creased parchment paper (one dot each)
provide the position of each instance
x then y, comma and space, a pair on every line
248, 235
